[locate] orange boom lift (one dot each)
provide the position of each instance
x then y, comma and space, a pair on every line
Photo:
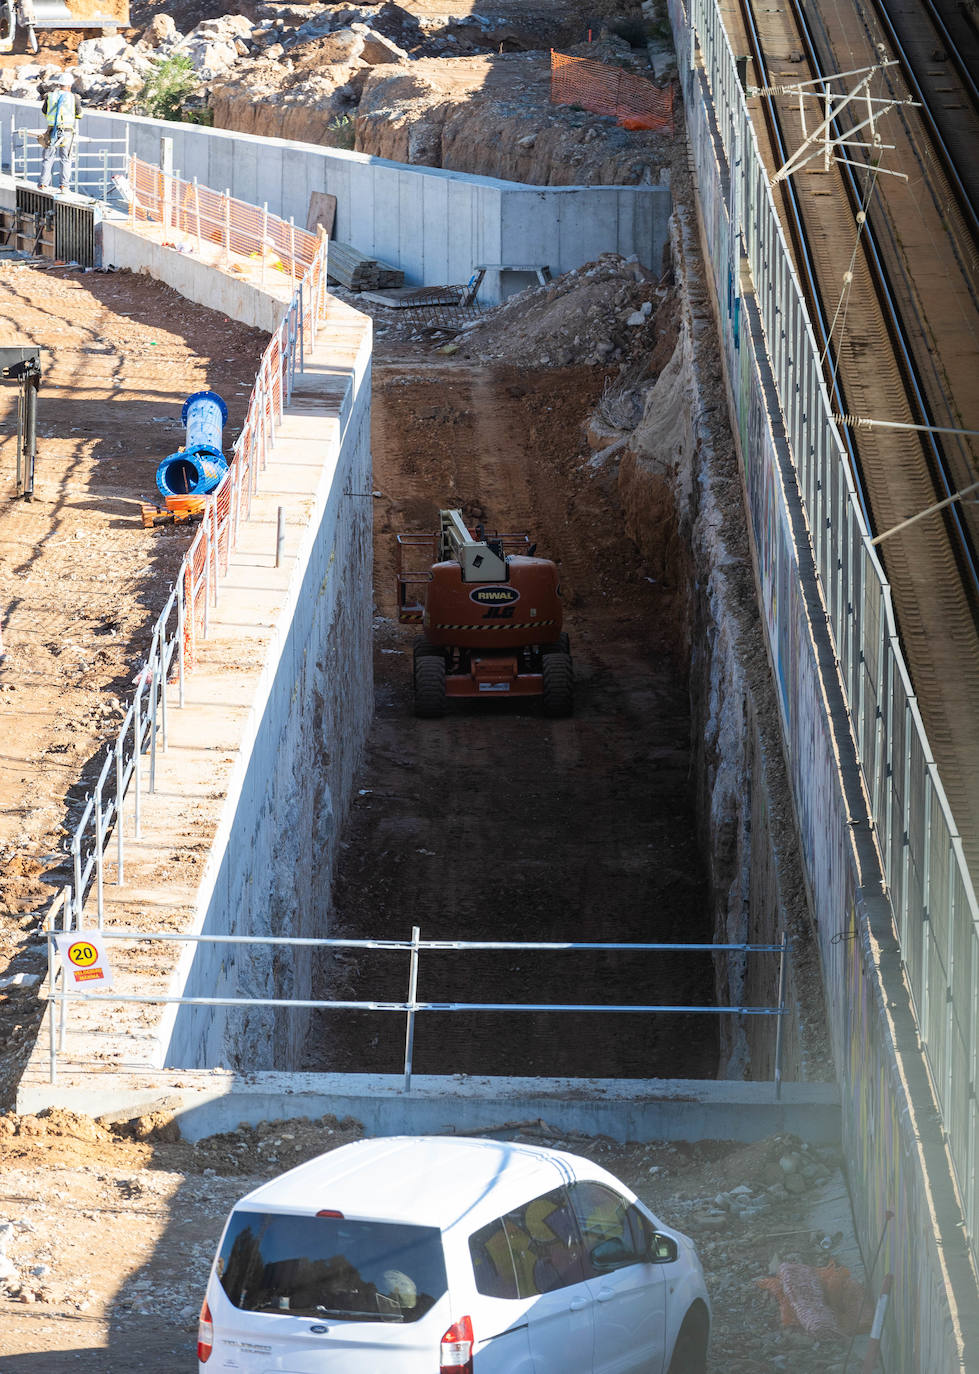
491, 618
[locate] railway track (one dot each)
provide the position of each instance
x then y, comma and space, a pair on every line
908, 352
939, 52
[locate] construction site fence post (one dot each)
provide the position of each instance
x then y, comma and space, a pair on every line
780, 1000
412, 996
52, 1009
137, 755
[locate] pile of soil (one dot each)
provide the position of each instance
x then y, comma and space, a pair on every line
604, 312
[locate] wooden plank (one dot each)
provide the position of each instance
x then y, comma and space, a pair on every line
322, 211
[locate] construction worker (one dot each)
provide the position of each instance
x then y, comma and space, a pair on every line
62, 110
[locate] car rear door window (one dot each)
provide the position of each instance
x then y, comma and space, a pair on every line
532, 1250
368, 1271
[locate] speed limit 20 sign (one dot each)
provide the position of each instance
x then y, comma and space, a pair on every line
84, 958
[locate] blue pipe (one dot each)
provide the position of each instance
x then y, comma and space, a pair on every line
199, 466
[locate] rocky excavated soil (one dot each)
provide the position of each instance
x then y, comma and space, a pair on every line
468, 92
108, 1232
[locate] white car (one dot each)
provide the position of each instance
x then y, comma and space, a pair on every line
442, 1255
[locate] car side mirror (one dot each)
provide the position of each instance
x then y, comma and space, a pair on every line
662, 1249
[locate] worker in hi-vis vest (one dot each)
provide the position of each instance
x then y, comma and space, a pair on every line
62, 110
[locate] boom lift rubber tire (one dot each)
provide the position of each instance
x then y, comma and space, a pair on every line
558, 674
561, 646
429, 686
422, 649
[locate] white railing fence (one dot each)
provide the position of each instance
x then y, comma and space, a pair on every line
97, 160
60, 996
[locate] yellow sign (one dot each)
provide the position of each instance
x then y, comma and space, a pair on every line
84, 957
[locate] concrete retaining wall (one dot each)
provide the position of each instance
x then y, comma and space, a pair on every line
891, 1136
270, 865
435, 225
194, 279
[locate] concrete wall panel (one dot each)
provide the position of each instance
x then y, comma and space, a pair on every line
121, 247
463, 221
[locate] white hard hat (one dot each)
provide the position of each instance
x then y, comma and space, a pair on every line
65, 79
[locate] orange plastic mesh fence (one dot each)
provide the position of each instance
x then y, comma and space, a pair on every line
213, 217
604, 90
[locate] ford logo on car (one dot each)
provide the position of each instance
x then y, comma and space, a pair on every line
494, 596
319, 1330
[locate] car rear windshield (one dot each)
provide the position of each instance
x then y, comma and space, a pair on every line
358, 1271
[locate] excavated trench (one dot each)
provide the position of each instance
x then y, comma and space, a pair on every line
497, 824
659, 813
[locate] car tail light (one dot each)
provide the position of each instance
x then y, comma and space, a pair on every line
337, 1216
456, 1351
205, 1334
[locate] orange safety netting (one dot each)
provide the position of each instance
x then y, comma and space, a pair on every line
634, 102
214, 217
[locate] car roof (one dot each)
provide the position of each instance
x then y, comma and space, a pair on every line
422, 1180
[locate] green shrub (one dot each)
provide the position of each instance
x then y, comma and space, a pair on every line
341, 133
166, 87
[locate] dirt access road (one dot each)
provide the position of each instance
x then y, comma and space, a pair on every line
495, 823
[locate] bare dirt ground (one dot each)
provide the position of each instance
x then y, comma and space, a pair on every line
496, 823
81, 580
109, 1238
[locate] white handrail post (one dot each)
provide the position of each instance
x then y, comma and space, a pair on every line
227, 226
412, 992
154, 696
99, 842
215, 547
119, 801
265, 234
781, 1016
76, 854
207, 575
164, 674
63, 1018
137, 751
197, 213
181, 581
52, 1000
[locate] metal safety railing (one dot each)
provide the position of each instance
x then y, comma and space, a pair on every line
185, 618
97, 160
59, 996
929, 886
